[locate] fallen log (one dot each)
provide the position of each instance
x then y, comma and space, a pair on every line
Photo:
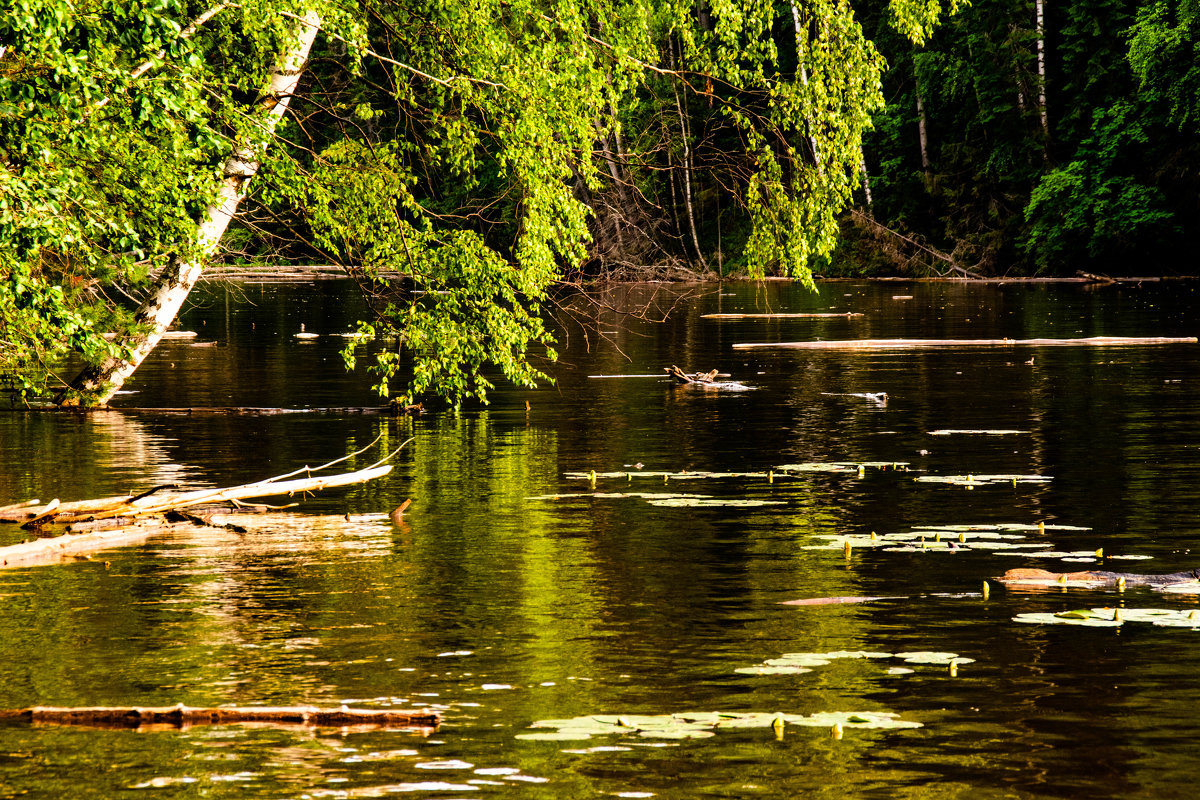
181, 716
1014, 578
911, 344
143, 504
77, 546
781, 316
150, 513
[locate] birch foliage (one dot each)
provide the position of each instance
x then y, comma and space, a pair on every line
442, 152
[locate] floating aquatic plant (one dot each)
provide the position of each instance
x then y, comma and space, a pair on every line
798, 663
842, 466
702, 724
982, 480
668, 499
986, 432
710, 502
1115, 617
1004, 538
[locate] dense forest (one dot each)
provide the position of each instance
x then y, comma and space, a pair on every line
463, 160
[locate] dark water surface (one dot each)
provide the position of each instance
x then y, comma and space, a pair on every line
503, 610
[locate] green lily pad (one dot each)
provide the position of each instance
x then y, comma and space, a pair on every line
569, 735
618, 495
794, 663
981, 480
781, 669
1191, 587
711, 502
1112, 617
958, 432
842, 466
703, 724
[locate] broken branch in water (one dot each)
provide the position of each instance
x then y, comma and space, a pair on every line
910, 344
150, 513
182, 716
781, 316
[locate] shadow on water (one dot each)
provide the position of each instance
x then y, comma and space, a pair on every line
512, 592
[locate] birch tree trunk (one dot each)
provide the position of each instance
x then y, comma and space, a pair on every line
1041, 60
97, 384
923, 135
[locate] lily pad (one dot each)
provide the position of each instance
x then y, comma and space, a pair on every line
768, 669
794, 663
711, 502
842, 466
617, 495
702, 724
958, 432
1115, 617
1191, 587
982, 480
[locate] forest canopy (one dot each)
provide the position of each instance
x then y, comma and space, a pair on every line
463, 160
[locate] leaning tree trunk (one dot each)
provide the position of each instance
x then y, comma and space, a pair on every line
97, 384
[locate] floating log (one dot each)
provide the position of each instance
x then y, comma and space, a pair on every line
781, 316
1014, 578
911, 344
144, 504
182, 716
153, 512
76, 547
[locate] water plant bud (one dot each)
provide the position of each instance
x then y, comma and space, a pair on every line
1117, 615
873, 536
1041, 526
962, 537
1099, 552
953, 669
1121, 584
846, 548
770, 476
836, 730
986, 590
1062, 578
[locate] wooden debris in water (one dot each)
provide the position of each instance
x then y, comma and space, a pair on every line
691, 377
181, 716
828, 601
911, 344
152, 512
782, 316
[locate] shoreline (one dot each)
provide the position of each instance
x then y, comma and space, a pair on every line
321, 272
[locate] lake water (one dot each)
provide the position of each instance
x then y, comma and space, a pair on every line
513, 593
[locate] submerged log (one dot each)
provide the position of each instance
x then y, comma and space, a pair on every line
910, 344
182, 716
826, 315
1041, 577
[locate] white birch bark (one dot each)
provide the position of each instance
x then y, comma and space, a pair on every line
1041, 51
812, 140
97, 384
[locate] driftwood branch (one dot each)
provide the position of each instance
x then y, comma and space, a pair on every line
695, 377
909, 344
825, 315
94, 525
182, 716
